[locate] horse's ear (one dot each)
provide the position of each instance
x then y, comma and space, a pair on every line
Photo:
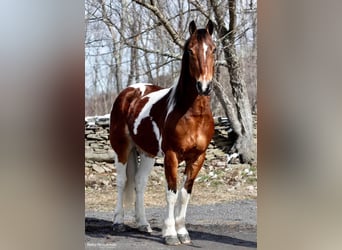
210, 27
192, 27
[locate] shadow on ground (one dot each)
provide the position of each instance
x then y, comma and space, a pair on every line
223, 234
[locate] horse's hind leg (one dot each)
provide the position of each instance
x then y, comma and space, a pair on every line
122, 150
118, 220
141, 177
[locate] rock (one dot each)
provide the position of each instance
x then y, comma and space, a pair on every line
102, 122
100, 150
89, 131
94, 137
218, 152
159, 161
108, 170
210, 156
104, 157
221, 164
110, 166
90, 183
105, 182
98, 169
232, 157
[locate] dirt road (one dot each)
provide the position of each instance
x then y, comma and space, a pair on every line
220, 226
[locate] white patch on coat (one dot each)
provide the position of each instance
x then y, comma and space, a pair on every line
140, 86
158, 136
171, 101
145, 112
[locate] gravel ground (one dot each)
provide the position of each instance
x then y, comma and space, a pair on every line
219, 226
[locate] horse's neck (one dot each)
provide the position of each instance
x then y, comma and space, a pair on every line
186, 95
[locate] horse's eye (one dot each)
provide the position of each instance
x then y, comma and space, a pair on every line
214, 50
190, 52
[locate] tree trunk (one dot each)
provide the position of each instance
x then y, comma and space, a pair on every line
240, 113
238, 110
245, 142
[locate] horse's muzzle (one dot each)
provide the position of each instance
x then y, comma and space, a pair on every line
204, 89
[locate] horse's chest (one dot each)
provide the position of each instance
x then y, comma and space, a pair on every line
193, 135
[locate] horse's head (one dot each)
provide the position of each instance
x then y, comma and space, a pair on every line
201, 50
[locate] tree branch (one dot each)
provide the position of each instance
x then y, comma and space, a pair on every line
228, 107
157, 52
200, 8
161, 17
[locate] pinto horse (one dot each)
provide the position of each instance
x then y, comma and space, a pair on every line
148, 121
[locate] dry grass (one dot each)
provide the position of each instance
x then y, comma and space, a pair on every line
216, 183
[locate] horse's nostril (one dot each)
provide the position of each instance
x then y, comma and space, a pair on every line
199, 87
203, 90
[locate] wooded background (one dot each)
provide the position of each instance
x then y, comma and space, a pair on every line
141, 41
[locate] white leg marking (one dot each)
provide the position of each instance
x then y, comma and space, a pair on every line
132, 167
169, 228
141, 178
120, 184
181, 207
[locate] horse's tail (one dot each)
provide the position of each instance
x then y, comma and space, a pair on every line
131, 170
121, 142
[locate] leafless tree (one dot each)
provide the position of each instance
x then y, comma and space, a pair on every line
241, 115
145, 39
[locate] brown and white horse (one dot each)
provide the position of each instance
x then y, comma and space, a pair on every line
176, 123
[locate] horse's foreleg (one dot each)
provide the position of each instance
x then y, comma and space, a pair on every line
180, 211
169, 229
191, 171
141, 178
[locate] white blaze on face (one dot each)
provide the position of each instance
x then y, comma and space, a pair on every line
204, 78
205, 48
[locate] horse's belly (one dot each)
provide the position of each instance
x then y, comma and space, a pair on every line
148, 137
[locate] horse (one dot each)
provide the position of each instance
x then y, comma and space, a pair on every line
176, 122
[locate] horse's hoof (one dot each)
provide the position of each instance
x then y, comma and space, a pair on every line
172, 241
145, 229
184, 238
119, 227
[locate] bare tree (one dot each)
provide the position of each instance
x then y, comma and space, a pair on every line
242, 120
239, 110
146, 39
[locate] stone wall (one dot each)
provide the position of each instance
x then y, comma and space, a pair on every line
100, 156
